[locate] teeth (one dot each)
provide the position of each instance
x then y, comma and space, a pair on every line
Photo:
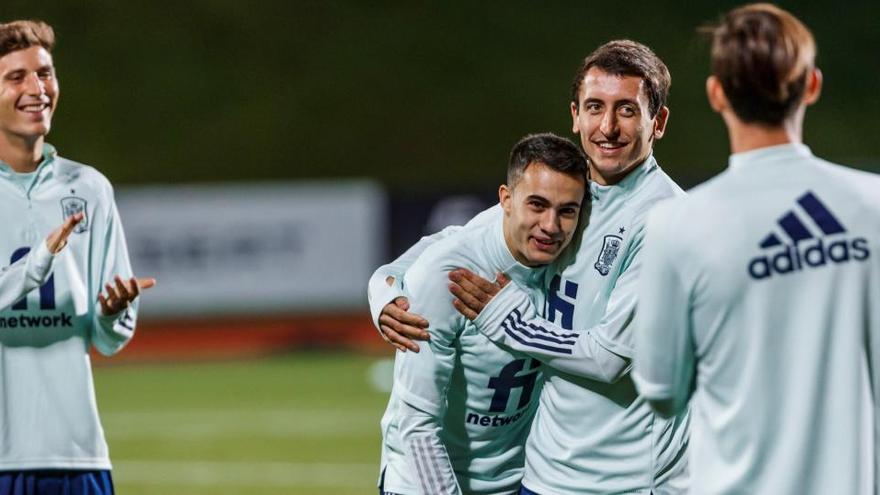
34, 108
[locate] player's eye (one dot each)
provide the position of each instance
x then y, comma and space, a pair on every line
45, 74
536, 205
593, 107
627, 111
568, 212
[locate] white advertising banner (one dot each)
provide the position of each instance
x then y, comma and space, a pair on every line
250, 249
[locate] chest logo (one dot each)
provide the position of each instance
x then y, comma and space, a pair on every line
610, 248
71, 205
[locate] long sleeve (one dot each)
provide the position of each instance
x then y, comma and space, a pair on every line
112, 332
424, 378
380, 293
426, 454
25, 275
664, 362
512, 321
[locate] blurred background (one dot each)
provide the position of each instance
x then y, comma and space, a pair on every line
268, 155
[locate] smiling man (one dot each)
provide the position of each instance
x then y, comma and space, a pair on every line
53, 442
460, 410
592, 432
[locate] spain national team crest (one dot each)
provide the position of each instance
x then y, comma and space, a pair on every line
72, 205
610, 248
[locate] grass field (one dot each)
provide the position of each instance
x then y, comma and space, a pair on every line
304, 423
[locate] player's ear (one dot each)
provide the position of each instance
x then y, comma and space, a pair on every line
715, 93
660, 122
814, 86
574, 116
504, 197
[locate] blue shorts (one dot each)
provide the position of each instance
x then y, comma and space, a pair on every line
56, 482
525, 491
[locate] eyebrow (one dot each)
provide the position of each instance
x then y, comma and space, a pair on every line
547, 201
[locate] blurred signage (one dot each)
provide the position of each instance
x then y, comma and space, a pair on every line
255, 248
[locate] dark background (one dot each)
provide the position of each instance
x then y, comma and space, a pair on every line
423, 97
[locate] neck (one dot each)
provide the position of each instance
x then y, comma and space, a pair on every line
22, 154
747, 137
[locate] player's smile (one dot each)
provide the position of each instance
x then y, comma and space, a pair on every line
36, 110
546, 244
610, 148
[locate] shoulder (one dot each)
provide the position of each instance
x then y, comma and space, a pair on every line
462, 249
865, 186
657, 188
85, 175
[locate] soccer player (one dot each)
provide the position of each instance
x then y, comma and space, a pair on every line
52, 441
460, 410
761, 289
31, 271
592, 432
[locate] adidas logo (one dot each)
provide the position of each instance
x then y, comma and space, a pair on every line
806, 250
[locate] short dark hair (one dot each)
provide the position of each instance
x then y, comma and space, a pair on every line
557, 153
628, 58
19, 35
762, 55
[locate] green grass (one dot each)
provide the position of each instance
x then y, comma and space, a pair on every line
300, 424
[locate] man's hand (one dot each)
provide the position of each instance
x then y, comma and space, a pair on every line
400, 327
120, 295
57, 239
473, 292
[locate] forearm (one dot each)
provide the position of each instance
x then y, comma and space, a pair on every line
427, 456
511, 320
25, 275
113, 332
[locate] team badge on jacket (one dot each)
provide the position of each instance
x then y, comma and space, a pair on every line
71, 205
610, 248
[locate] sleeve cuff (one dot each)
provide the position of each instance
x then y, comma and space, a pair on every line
42, 260
380, 294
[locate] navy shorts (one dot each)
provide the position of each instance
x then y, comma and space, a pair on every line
525, 491
56, 482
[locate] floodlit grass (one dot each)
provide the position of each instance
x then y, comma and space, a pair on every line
301, 424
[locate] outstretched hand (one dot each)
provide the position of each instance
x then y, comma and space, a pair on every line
57, 239
399, 327
122, 293
473, 292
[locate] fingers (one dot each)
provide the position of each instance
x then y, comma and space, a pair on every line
402, 303
121, 293
502, 280
70, 223
105, 305
399, 341
483, 285
467, 300
123, 289
57, 239
465, 310
403, 316
404, 327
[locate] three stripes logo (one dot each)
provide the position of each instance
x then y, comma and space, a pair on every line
804, 249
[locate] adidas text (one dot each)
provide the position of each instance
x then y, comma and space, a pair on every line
794, 258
